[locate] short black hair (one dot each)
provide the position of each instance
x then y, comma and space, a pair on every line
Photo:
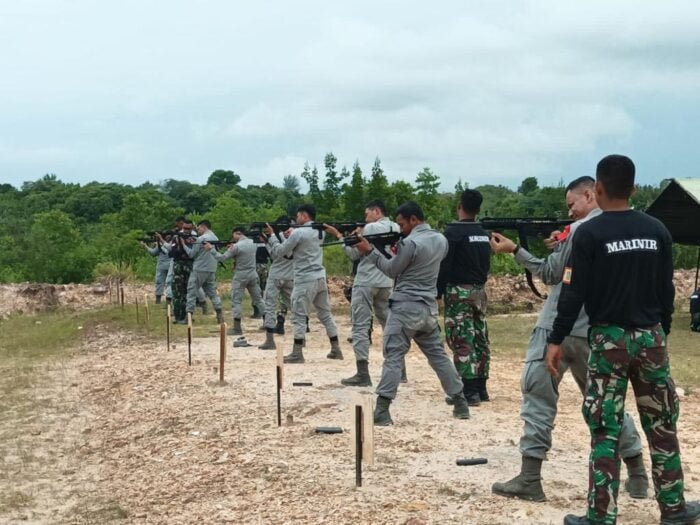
585, 181
410, 209
180, 218
187, 221
309, 209
239, 229
205, 223
471, 201
616, 174
283, 219
378, 204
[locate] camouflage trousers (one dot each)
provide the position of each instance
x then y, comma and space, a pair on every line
181, 275
639, 356
466, 332
263, 271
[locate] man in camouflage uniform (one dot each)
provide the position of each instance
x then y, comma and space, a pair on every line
182, 267
462, 278
621, 270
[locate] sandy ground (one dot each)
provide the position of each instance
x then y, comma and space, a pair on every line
130, 433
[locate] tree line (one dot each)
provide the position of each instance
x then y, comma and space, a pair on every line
57, 232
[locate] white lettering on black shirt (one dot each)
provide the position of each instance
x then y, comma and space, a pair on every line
478, 238
631, 245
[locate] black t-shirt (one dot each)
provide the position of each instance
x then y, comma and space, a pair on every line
621, 270
469, 257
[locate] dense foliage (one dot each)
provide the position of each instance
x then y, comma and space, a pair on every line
58, 232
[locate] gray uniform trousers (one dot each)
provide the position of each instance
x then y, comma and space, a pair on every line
366, 299
541, 394
204, 284
418, 321
201, 297
312, 293
161, 277
276, 291
238, 286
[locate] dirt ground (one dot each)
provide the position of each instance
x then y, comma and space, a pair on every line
130, 433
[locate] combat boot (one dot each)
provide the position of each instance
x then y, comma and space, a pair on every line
269, 343
404, 377
637, 482
688, 516
307, 326
279, 328
204, 306
236, 328
297, 355
219, 316
483, 393
158, 297
572, 519
257, 314
527, 485
361, 378
335, 352
382, 417
460, 409
471, 392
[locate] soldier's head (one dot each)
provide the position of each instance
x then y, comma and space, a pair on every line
614, 180
188, 229
179, 222
203, 227
375, 210
408, 216
580, 197
469, 204
306, 213
238, 233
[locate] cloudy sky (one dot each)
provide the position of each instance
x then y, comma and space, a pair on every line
490, 92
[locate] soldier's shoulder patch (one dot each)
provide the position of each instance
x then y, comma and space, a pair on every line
566, 278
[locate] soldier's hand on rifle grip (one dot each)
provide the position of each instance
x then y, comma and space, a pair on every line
552, 241
332, 230
553, 359
501, 243
269, 230
364, 246
207, 246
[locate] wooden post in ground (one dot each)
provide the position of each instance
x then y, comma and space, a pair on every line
121, 293
222, 351
136, 300
148, 310
109, 283
279, 368
189, 338
168, 323
362, 434
358, 445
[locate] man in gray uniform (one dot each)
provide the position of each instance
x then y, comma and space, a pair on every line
370, 292
310, 287
203, 273
162, 267
413, 310
245, 277
280, 283
540, 393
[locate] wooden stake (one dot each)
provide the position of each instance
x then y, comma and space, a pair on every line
358, 445
365, 401
137, 309
148, 310
121, 294
222, 351
189, 338
279, 369
168, 322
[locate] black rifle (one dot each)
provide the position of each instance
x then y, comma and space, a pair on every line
538, 227
173, 234
342, 227
379, 240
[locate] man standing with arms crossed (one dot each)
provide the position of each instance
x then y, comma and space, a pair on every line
245, 277
621, 271
413, 311
462, 279
370, 291
310, 288
540, 393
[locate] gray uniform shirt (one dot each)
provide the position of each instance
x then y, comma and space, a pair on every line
367, 272
416, 265
305, 246
551, 271
282, 267
164, 259
204, 261
244, 253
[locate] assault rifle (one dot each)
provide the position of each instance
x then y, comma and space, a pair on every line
536, 227
173, 234
342, 227
379, 240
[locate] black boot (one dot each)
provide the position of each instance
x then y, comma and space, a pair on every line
307, 326
236, 328
637, 482
203, 305
404, 377
219, 316
471, 392
297, 355
461, 408
572, 519
158, 299
168, 300
689, 515
483, 393
527, 485
279, 328
335, 352
269, 343
257, 314
382, 417
361, 378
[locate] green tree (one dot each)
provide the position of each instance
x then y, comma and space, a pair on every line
378, 185
311, 178
528, 185
225, 178
354, 194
